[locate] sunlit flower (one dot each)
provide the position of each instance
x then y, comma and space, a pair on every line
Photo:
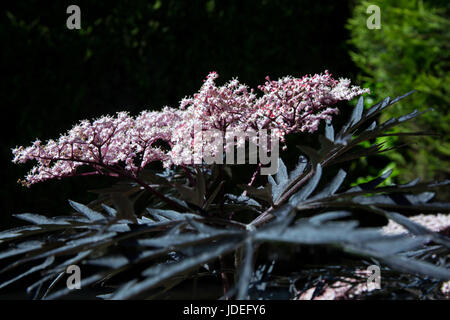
122, 143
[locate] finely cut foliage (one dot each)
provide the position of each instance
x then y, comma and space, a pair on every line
155, 230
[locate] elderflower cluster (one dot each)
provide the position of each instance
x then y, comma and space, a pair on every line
122, 144
298, 104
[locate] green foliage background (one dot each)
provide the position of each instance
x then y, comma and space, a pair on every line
410, 51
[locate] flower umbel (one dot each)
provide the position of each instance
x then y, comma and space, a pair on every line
123, 145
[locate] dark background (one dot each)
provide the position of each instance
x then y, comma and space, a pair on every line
135, 55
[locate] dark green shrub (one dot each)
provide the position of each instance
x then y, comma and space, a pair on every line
411, 50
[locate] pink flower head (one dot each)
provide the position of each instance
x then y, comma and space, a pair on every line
123, 145
299, 104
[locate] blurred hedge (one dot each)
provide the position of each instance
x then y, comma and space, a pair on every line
410, 51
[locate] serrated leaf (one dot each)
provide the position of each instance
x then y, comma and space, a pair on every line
182, 239
398, 244
86, 211
356, 114
188, 194
326, 217
282, 180
247, 201
111, 211
397, 201
372, 184
416, 228
18, 232
149, 176
171, 215
74, 246
40, 220
329, 233
213, 195
313, 155
113, 262
326, 146
124, 207
417, 267
309, 188
329, 131
262, 193
333, 186
201, 187
402, 96
378, 107
21, 248
39, 267
166, 272
76, 259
